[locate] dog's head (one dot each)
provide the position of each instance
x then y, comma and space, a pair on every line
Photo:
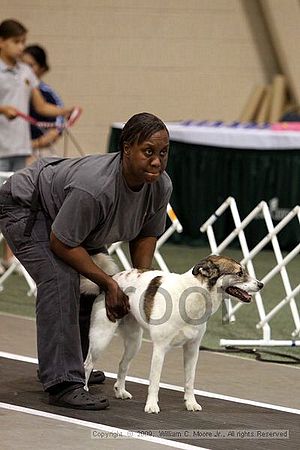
227, 274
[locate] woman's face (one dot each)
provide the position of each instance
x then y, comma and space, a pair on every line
145, 162
36, 68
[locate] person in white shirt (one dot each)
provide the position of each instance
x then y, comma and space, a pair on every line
18, 85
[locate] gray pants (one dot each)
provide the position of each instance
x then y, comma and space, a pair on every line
58, 295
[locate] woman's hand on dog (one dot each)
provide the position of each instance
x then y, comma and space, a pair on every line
116, 302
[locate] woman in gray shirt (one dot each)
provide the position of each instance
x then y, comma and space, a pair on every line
56, 213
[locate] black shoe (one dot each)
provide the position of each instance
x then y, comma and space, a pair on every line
76, 397
96, 377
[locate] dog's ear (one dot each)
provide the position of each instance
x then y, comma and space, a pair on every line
207, 269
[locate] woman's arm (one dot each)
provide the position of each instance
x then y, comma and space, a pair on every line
142, 251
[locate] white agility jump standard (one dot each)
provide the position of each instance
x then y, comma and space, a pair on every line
262, 209
174, 227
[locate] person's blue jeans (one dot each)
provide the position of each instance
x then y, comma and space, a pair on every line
58, 294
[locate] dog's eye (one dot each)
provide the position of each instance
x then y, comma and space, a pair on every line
240, 273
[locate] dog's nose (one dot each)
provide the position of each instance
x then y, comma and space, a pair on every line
260, 284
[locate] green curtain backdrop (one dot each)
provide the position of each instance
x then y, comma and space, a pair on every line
204, 176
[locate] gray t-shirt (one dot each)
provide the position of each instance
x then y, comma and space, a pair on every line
90, 203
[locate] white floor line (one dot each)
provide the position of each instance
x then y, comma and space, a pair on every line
22, 358
127, 434
173, 387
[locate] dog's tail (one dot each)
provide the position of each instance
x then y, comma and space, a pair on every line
107, 264
88, 368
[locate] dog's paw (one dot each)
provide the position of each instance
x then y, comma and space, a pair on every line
122, 393
192, 405
152, 408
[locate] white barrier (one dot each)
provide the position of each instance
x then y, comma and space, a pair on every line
175, 226
261, 209
16, 264
5, 175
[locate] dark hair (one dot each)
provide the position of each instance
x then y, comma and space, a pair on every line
11, 28
39, 55
139, 128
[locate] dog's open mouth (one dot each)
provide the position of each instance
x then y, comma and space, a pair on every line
239, 293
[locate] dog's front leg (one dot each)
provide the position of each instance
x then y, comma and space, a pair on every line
190, 356
158, 357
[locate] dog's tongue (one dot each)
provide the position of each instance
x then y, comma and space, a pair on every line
239, 293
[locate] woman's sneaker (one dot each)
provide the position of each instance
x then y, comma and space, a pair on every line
76, 397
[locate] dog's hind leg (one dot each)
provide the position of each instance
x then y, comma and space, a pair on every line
132, 334
101, 333
158, 357
190, 356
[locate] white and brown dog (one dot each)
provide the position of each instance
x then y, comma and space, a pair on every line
174, 309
